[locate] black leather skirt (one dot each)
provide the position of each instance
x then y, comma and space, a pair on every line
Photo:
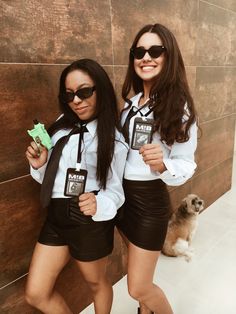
144, 216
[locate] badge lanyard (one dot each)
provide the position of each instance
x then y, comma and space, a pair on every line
133, 113
76, 177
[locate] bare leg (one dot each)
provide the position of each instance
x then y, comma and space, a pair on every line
142, 308
141, 267
46, 264
95, 274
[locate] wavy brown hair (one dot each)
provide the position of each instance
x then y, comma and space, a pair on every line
170, 92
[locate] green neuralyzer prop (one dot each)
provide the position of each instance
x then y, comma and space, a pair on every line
40, 135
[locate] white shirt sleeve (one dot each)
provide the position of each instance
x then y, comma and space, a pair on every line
111, 199
180, 162
38, 174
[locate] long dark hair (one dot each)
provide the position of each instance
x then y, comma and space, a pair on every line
170, 92
106, 111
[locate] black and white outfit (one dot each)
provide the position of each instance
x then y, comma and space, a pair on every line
146, 211
89, 237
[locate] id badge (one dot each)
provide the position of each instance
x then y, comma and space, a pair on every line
142, 132
75, 182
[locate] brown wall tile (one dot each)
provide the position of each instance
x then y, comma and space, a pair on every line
119, 73
229, 4
214, 182
215, 39
214, 94
178, 16
20, 220
12, 299
216, 143
191, 76
55, 32
27, 92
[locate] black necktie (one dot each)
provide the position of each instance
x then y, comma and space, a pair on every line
125, 128
52, 166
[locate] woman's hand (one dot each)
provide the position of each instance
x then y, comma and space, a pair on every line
36, 156
153, 156
88, 204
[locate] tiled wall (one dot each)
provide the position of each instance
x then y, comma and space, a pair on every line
37, 39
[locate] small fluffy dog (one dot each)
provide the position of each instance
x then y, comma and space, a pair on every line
182, 227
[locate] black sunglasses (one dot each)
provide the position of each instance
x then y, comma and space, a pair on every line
82, 93
153, 51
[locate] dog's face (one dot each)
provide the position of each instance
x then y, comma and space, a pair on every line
192, 204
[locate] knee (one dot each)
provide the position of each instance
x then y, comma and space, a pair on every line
34, 297
94, 286
97, 286
137, 291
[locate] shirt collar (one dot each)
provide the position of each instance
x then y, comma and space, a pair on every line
92, 127
135, 103
136, 99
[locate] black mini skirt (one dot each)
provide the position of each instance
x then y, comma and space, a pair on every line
145, 214
87, 240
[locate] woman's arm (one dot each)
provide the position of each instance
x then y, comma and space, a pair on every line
110, 200
179, 166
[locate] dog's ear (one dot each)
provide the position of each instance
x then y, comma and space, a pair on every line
183, 206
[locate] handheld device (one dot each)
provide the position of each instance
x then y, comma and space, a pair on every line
40, 135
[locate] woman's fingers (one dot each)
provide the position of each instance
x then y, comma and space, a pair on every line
88, 203
153, 157
37, 156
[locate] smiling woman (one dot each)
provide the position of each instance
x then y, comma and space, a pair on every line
160, 125
149, 58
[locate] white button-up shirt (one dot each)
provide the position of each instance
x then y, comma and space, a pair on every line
178, 158
108, 200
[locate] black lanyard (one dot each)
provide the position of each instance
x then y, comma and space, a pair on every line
79, 154
133, 113
139, 110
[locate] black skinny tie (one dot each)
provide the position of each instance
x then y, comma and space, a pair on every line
52, 166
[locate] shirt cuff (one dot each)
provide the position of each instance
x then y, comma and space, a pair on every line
106, 209
39, 173
170, 172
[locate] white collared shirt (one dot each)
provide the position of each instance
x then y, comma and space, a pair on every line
178, 158
108, 200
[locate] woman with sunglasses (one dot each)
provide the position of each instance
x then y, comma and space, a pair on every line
160, 125
80, 216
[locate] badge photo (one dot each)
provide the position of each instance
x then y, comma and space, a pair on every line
75, 182
142, 132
